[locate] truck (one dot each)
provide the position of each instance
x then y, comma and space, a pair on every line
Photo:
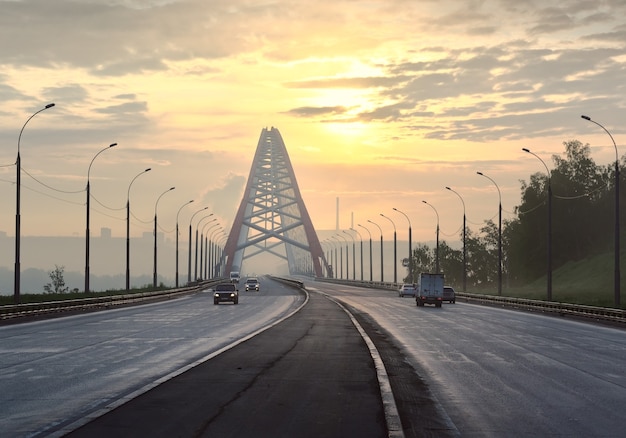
429, 289
234, 277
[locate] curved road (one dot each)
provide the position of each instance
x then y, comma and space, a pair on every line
501, 373
491, 372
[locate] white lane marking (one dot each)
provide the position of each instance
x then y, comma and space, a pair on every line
120, 401
392, 417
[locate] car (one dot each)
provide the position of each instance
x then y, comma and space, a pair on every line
234, 277
448, 294
407, 290
252, 283
225, 292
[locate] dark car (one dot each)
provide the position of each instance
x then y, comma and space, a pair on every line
448, 294
252, 283
225, 292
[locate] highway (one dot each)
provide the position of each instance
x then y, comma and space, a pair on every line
60, 370
491, 372
501, 373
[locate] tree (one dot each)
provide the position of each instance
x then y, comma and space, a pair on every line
451, 261
422, 260
582, 212
58, 282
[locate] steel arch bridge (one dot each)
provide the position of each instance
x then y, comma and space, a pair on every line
272, 217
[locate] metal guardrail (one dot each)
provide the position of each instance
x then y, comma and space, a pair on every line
561, 309
607, 314
296, 283
35, 309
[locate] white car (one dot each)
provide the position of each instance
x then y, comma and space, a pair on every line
407, 290
252, 284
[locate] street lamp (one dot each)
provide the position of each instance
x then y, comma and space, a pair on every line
410, 260
128, 228
87, 232
204, 238
347, 256
464, 243
154, 272
213, 252
361, 239
370, 234
18, 165
437, 247
395, 252
499, 232
195, 269
381, 250
353, 255
338, 261
332, 257
616, 269
549, 238
177, 214
189, 258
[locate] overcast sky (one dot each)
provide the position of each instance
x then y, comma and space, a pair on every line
380, 103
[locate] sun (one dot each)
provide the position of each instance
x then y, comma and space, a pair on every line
349, 130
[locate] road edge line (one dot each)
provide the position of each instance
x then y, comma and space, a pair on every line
392, 416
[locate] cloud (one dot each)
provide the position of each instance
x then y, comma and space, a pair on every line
316, 111
224, 197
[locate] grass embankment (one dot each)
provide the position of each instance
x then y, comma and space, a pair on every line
588, 281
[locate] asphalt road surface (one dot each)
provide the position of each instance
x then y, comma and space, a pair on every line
310, 376
461, 370
56, 371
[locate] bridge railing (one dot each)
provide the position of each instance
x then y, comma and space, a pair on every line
607, 314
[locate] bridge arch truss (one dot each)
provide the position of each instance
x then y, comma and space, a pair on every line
272, 217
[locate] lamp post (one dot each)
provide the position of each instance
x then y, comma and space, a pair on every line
189, 257
410, 260
217, 253
411, 279
616, 269
339, 261
437, 247
347, 256
213, 252
326, 255
128, 228
499, 232
361, 239
549, 237
370, 234
382, 277
18, 165
195, 269
156, 204
464, 243
353, 255
395, 252
205, 237
177, 214
331, 257
87, 231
